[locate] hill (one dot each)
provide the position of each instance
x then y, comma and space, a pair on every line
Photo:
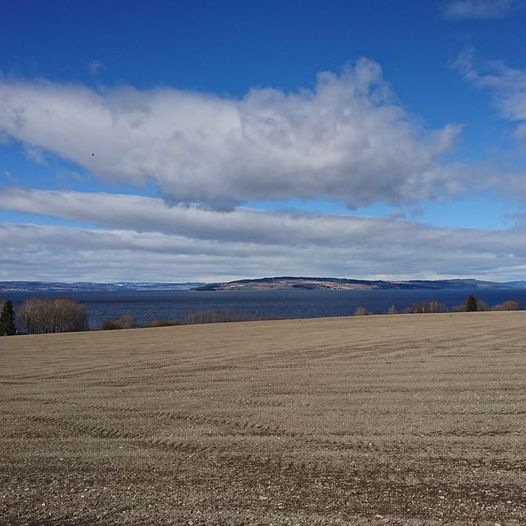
88, 286
316, 283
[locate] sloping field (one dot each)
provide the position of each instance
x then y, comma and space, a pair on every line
368, 420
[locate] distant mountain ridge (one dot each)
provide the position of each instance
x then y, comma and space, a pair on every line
316, 283
86, 286
270, 283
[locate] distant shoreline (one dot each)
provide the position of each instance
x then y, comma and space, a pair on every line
316, 283
146, 306
257, 284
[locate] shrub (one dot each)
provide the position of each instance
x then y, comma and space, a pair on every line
162, 323
209, 316
361, 311
110, 325
126, 321
206, 316
507, 305
482, 306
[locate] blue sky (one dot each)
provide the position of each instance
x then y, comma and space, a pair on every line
382, 139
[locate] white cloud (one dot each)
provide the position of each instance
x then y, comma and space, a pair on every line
36, 155
479, 9
138, 238
10, 178
143, 214
347, 139
507, 85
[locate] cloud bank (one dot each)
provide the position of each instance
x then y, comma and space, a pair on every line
479, 9
130, 236
347, 138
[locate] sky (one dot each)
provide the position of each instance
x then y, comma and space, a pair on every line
208, 141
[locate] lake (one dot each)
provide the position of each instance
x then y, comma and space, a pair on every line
149, 305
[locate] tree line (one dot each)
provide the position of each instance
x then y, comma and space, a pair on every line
471, 304
206, 316
43, 315
47, 315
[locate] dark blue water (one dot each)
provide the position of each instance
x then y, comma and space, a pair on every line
150, 305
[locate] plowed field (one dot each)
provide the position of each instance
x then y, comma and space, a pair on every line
414, 419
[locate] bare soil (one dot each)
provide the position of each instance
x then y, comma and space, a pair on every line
414, 420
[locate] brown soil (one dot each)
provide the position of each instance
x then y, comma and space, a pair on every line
415, 419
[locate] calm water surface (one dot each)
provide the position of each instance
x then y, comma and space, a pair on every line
171, 305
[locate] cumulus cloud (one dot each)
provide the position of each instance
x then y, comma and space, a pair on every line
348, 138
479, 9
185, 243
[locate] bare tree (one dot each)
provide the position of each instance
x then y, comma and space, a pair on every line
29, 315
427, 307
68, 315
436, 306
416, 308
38, 315
482, 306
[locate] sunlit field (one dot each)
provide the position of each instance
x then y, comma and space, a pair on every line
414, 419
